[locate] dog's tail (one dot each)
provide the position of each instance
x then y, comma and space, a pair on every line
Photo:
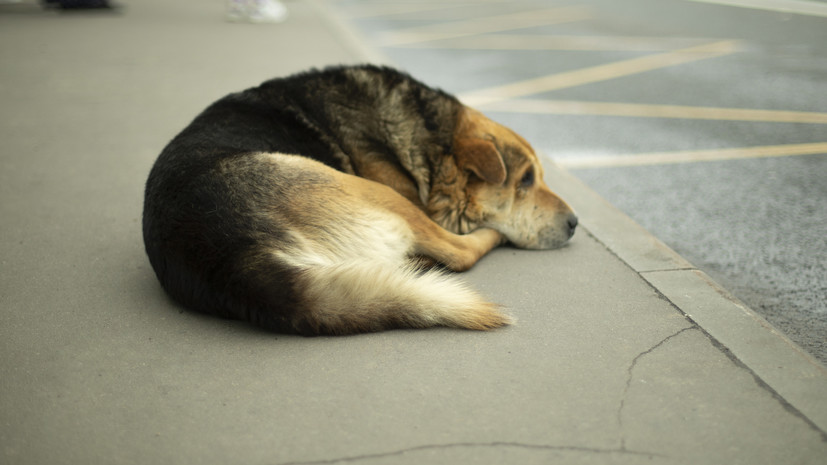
345, 298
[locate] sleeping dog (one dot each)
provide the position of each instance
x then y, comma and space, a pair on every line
318, 203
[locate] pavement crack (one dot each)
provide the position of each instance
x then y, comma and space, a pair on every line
506, 444
629, 376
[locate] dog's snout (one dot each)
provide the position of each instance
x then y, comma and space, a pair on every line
572, 222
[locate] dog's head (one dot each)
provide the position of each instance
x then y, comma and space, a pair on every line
504, 188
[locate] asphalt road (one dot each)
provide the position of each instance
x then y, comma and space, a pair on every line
703, 122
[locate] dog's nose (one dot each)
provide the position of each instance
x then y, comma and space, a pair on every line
572, 222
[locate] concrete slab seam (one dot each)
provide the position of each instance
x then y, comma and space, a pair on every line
506, 444
611, 250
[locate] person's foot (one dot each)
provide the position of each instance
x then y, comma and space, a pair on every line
256, 11
79, 4
267, 11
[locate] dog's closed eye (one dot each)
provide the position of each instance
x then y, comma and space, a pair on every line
528, 179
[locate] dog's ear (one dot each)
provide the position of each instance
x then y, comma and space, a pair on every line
482, 158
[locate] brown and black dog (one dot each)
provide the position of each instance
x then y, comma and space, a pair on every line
313, 204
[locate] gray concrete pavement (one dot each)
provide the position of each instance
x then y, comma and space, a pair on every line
623, 353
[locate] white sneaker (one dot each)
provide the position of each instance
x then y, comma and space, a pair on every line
266, 11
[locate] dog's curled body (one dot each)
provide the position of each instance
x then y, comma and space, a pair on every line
304, 205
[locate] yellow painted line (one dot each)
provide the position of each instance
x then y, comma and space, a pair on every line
564, 107
484, 25
600, 73
561, 42
690, 156
798, 7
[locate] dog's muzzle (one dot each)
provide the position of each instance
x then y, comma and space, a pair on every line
552, 236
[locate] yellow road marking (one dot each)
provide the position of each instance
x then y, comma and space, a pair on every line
600, 73
785, 6
559, 42
564, 107
488, 24
690, 156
